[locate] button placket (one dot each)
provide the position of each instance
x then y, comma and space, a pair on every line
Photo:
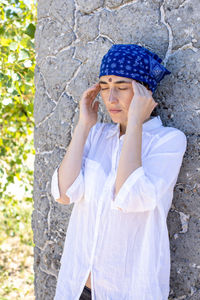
115, 154
106, 190
98, 216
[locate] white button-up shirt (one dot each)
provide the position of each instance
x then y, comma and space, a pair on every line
123, 241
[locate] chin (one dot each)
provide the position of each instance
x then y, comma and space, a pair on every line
115, 118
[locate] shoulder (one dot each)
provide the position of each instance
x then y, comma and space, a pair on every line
172, 132
172, 137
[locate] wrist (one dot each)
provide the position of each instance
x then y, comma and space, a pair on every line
133, 125
83, 128
134, 122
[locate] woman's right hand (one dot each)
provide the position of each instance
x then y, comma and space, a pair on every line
88, 109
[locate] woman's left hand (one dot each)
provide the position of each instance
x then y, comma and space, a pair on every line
142, 104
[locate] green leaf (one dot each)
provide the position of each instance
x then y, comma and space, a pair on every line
30, 30
23, 54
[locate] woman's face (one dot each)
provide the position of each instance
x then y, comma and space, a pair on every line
117, 93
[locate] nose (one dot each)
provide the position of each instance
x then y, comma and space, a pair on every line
112, 96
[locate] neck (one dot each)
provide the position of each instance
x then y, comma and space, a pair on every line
123, 126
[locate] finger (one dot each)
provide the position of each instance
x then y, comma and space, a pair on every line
139, 88
96, 106
144, 88
91, 93
92, 90
149, 91
146, 92
142, 85
88, 94
135, 87
97, 88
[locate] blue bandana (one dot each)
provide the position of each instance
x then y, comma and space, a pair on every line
133, 61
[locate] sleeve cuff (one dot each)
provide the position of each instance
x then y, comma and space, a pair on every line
119, 203
75, 191
54, 185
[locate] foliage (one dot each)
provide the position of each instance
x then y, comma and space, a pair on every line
17, 63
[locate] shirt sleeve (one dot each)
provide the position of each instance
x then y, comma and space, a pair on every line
145, 187
76, 190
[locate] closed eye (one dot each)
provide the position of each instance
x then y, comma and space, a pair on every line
118, 88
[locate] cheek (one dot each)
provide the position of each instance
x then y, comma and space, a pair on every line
128, 99
127, 104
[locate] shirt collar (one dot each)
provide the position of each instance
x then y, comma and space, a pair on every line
153, 123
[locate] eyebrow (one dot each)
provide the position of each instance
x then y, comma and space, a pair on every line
117, 82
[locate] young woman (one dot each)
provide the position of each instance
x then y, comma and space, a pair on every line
120, 177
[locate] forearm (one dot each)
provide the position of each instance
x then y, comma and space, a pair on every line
130, 157
71, 163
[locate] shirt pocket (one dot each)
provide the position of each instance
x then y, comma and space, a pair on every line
94, 177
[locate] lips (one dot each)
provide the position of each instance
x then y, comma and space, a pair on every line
114, 110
